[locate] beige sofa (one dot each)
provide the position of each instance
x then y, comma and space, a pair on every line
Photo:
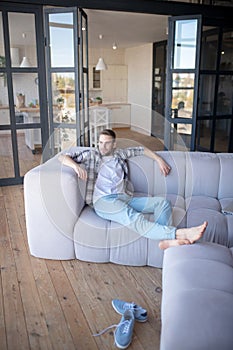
60, 226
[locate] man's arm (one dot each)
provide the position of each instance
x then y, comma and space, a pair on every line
164, 167
68, 161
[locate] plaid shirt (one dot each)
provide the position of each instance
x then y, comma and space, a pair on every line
91, 158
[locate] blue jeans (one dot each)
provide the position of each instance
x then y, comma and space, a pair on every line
129, 211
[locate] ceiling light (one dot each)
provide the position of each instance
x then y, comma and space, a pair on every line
114, 46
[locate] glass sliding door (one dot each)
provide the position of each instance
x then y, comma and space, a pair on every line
182, 82
20, 95
66, 83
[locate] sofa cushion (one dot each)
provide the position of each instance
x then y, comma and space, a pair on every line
197, 299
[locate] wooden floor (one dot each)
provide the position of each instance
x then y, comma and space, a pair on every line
48, 304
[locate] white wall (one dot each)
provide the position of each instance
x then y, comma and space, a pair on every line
139, 62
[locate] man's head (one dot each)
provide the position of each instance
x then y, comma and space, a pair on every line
107, 142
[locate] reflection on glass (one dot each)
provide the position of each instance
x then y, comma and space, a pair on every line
182, 103
6, 155
203, 140
29, 151
26, 98
23, 43
222, 134
4, 106
61, 39
206, 94
185, 44
227, 51
209, 51
224, 98
63, 94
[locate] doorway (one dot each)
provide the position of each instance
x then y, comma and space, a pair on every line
42, 110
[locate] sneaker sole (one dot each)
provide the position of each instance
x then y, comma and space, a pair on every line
136, 319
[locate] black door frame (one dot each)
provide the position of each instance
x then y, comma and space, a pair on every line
8, 70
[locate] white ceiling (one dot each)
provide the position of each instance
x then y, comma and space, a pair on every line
124, 28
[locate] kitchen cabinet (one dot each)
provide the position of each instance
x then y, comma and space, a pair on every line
115, 84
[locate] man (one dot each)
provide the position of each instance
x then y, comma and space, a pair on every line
106, 173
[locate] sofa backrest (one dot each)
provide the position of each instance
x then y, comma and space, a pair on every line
192, 174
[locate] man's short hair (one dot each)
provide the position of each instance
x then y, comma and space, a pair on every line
108, 132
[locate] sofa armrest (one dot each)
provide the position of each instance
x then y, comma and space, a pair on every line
54, 199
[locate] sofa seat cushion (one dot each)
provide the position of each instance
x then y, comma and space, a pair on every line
99, 240
197, 300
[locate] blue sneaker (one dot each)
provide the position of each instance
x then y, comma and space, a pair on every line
124, 331
120, 306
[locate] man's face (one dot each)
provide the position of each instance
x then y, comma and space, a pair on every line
106, 145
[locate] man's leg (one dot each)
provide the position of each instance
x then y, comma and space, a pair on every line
159, 206
121, 209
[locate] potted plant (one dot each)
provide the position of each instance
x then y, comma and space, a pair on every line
99, 100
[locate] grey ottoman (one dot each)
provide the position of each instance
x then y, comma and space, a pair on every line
197, 302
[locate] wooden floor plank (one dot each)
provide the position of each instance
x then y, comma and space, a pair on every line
16, 336
34, 321
74, 317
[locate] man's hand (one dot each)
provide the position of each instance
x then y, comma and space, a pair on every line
68, 161
163, 166
82, 173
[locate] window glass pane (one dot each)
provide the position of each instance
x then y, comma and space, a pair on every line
209, 52
206, 94
64, 138
4, 106
29, 149
224, 100
204, 134
185, 44
227, 51
26, 96
84, 35
222, 134
61, 39
63, 85
182, 95
6, 155
23, 41
2, 50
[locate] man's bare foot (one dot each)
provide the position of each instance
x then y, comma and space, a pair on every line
172, 243
191, 234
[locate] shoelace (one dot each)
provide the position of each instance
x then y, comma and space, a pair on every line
125, 330
131, 306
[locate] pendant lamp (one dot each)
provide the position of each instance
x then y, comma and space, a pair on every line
101, 65
25, 63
